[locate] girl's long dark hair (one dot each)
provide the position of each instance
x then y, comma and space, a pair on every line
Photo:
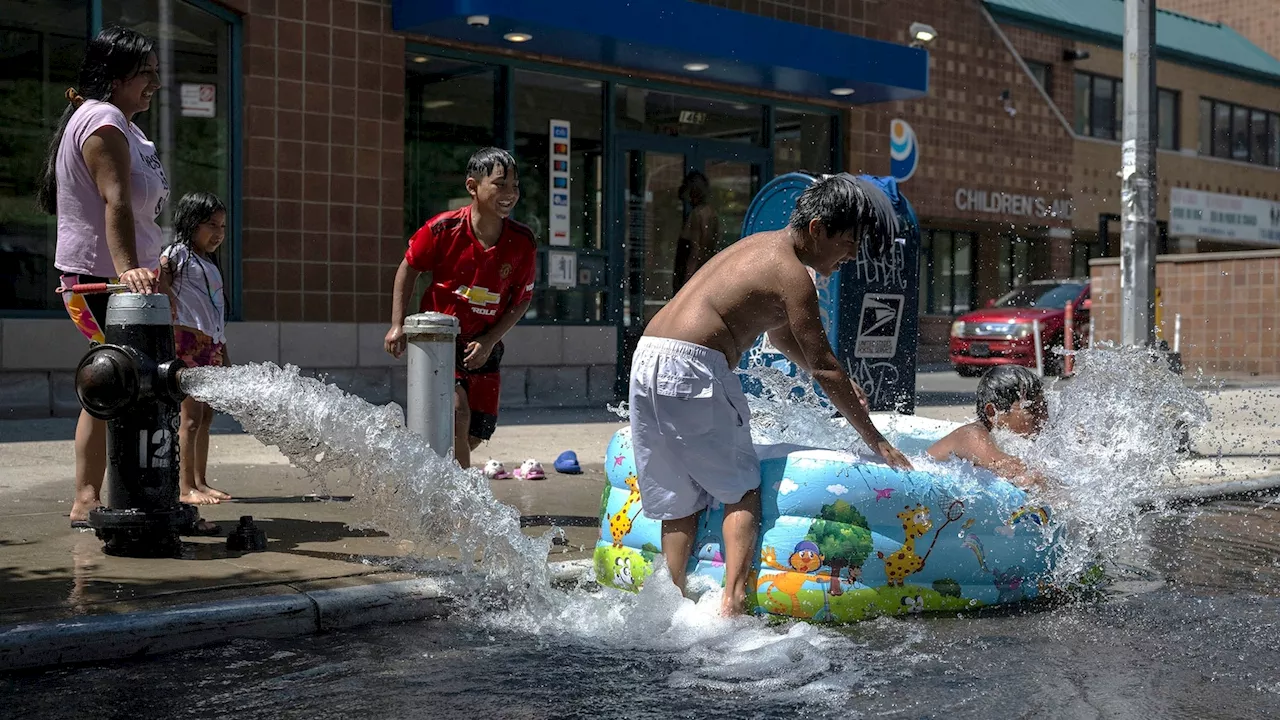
115, 54
193, 210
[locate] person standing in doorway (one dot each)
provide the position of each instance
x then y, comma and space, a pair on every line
103, 180
700, 236
482, 266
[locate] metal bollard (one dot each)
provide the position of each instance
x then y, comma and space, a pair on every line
132, 383
432, 349
1038, 342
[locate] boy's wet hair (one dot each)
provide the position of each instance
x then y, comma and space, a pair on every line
1004, 385
483, 162
843, 203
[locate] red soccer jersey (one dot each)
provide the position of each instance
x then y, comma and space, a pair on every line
469, 281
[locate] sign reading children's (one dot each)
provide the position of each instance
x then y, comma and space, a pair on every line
558, 212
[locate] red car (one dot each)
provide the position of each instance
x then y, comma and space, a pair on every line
1001, 333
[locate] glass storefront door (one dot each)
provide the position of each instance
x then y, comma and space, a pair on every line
677, 196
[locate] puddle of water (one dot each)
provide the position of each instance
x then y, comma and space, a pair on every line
1163, 644
519, 648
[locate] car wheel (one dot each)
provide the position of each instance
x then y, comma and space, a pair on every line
968, 370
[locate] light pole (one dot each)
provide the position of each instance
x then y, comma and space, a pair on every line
1138, 177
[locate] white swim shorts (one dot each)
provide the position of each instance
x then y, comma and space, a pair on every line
690, 429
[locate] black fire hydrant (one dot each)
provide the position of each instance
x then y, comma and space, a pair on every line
132, 383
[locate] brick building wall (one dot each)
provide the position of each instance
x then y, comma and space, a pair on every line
1095, 185
966, 138
323, 160
1229, 302
1258, 20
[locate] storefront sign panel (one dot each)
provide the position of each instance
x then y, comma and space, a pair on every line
1195, 213
994, 202
559, 181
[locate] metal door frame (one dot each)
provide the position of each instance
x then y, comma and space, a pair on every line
696, 152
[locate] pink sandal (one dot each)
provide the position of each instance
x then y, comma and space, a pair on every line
530, 470
495, 470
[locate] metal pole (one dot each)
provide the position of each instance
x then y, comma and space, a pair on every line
1138, 177
1039, 345
168, 91
432, 351
1069, 340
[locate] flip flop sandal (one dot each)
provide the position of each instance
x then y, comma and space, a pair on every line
204, 528
530, 470
495, 470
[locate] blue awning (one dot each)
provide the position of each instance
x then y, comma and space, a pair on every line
671, 36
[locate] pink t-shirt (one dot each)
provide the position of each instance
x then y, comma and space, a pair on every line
82, 214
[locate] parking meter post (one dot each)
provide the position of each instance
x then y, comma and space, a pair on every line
432, 351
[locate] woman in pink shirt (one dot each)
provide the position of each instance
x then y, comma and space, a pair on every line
103, 180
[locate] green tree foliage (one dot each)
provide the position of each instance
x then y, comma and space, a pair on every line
842, 536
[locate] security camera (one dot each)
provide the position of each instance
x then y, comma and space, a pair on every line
478, 21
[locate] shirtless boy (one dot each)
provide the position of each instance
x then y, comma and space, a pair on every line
1010, 398
690, 424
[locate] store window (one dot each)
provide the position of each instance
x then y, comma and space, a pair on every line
1081, 253
41, 46
1013, 258
1042, 73
663, 113
449, 114
541, 98
1239, 133
802, 141
1168, 123
191, 130
1099, 110
946, 272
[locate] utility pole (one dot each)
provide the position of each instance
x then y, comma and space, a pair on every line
1138, 177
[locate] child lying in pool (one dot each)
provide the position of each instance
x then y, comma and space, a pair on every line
1010, 398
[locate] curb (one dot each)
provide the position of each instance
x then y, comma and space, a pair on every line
1218, 491
98, 638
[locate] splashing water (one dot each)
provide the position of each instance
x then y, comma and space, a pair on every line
415, 495
1113, 436
1110, 441
408, 490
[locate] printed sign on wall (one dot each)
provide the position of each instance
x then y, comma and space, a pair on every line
1195, 213
903, 150
558, 187
562, 269
199, 100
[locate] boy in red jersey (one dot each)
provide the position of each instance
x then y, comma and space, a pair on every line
482, 265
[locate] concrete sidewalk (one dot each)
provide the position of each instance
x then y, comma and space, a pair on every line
51, 573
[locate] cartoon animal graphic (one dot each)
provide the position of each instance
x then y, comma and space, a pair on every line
1009, 584
905, 561
801, 567
620, 522
913, 603
622, 572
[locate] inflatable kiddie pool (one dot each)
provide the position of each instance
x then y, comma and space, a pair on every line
845, 538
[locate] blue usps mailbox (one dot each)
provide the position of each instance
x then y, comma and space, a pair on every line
869, 308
